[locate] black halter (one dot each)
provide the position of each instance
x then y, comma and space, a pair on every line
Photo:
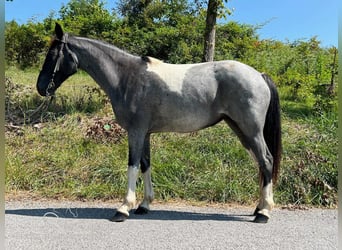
64, 41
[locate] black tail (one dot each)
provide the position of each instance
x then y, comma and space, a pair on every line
272, 128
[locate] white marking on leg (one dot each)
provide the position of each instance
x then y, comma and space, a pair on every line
130, 199
148, 190
266, 203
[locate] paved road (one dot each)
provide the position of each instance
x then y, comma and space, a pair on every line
76, 225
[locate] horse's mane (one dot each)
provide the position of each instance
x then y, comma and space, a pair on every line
105, 45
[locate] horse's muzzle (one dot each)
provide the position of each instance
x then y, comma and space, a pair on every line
44, 86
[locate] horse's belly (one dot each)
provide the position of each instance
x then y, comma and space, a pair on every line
184, 121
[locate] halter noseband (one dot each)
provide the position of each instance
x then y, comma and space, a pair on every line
64, 41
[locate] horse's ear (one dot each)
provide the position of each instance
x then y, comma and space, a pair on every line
59, 31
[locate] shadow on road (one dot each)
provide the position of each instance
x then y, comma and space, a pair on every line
107, 213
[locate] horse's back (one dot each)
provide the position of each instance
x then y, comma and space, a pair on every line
229, 74
193, 96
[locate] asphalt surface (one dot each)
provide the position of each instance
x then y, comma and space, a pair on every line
68, 225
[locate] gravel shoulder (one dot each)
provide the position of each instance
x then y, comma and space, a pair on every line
39, 224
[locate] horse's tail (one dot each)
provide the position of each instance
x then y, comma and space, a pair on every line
272, 128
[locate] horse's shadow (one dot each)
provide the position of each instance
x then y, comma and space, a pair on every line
107, 213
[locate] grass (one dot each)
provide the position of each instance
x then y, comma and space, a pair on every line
57, 158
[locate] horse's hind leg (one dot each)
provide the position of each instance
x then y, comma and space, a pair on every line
263, 157
144, 207
256, 146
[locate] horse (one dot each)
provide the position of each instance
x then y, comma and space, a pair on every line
150, 96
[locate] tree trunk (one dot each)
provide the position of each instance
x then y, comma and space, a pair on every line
331, 89
210, 30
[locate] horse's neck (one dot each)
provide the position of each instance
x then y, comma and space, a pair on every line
103, 62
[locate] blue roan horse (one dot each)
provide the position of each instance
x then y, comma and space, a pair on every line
150, 96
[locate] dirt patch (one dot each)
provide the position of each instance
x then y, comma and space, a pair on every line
104, 130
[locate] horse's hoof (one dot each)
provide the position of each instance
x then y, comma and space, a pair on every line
260, 218
256, 211
119, 217
141, 210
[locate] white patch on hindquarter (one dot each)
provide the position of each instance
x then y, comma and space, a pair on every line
172, 74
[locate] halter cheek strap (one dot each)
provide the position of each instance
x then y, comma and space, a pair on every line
51, 84
64, 40
73, 55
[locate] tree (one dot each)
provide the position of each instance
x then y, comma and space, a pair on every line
334, 70
215, 9
237, 41
24, 43
87, 18
135, 11
210, 30
168, 30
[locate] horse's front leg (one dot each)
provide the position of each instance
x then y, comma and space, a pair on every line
136, 144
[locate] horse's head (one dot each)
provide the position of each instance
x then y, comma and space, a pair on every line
59, 64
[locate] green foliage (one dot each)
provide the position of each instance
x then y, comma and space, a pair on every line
169, 30
235, 41
87, 18
24, 44
301, 69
